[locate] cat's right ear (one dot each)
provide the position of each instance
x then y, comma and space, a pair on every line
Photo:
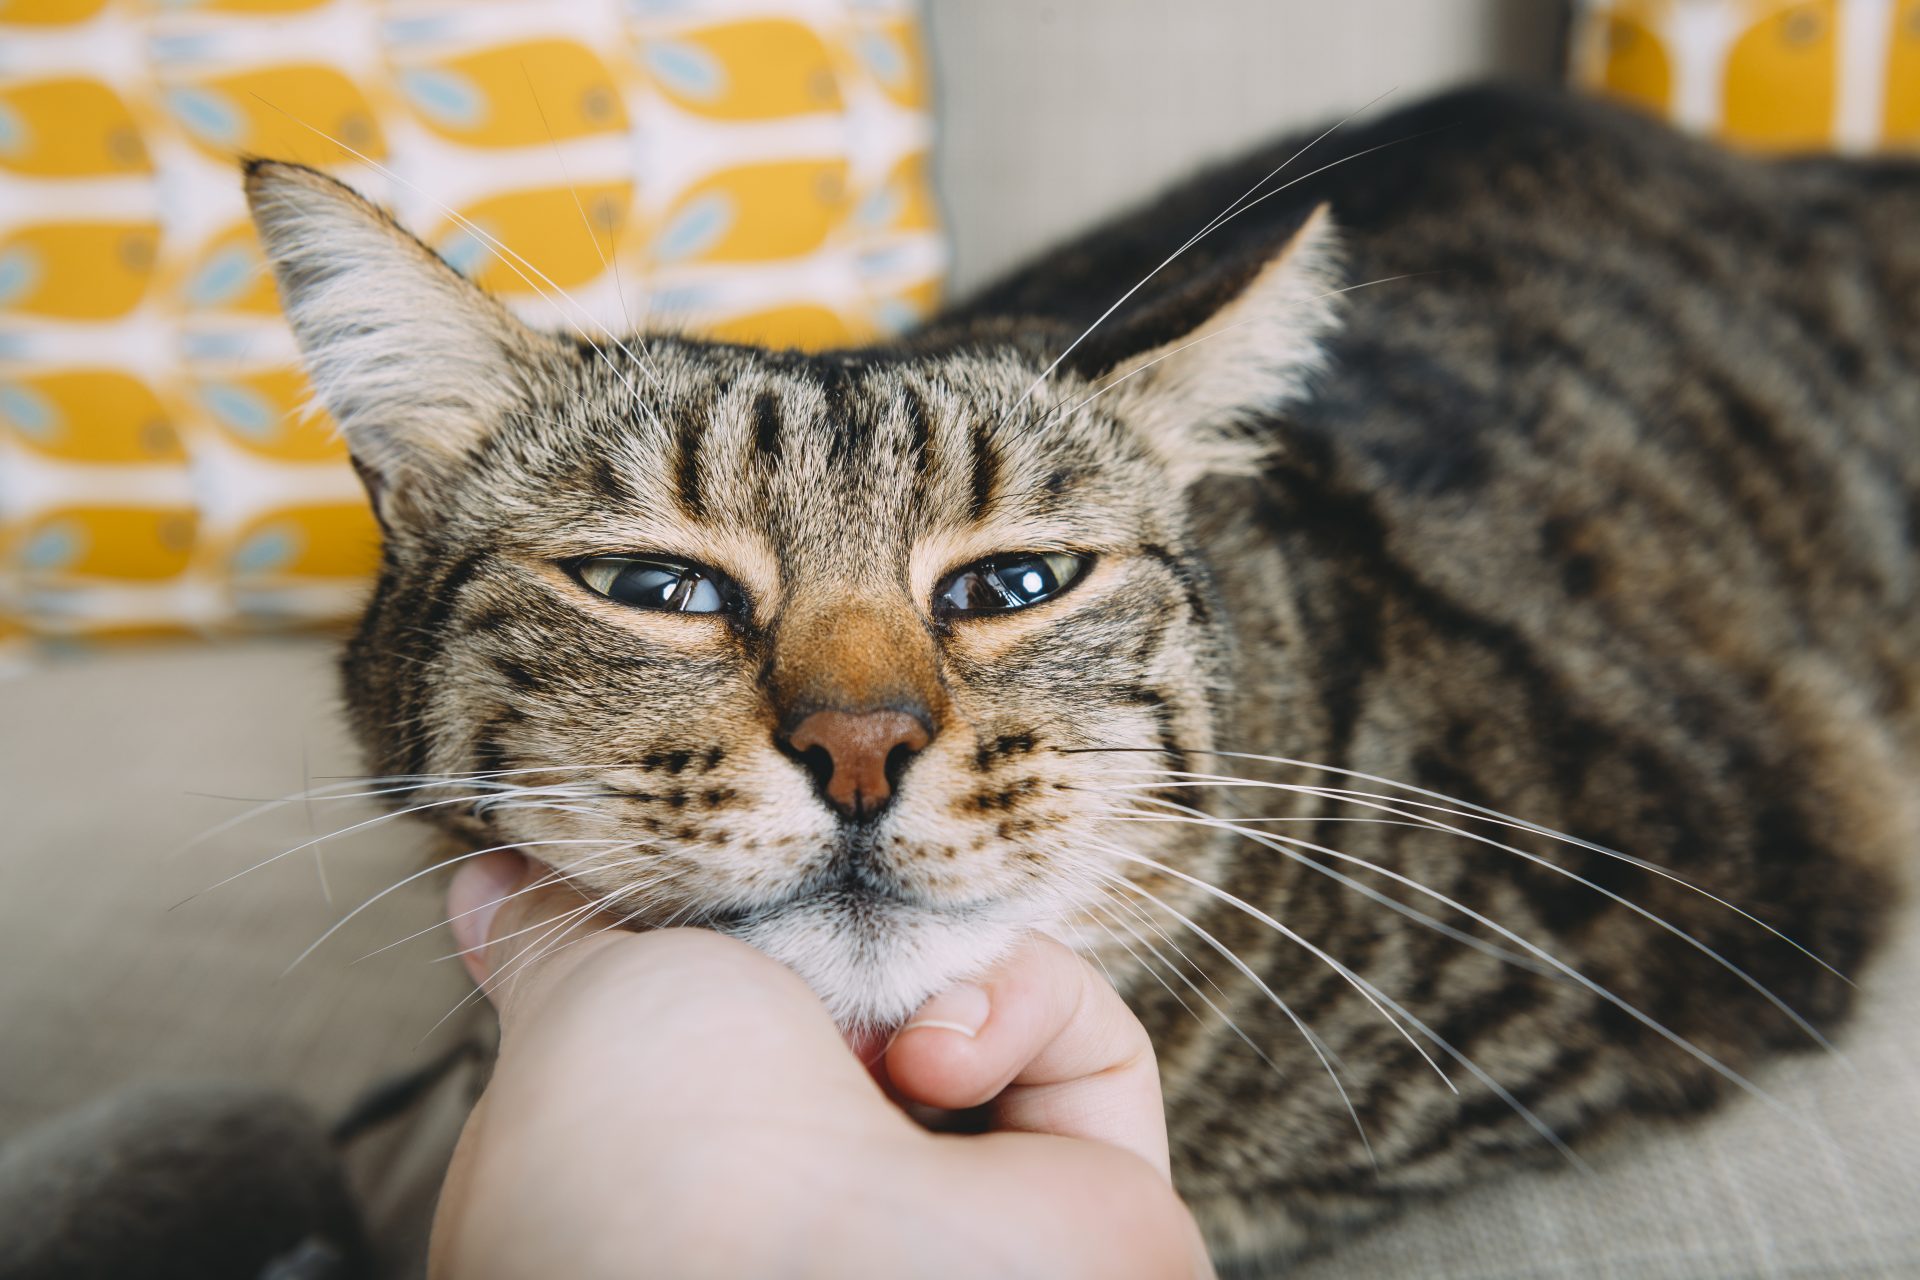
413, 361
1217, 367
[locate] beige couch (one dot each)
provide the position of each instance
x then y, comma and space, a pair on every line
1056, 109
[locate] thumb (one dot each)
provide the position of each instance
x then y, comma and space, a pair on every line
507, 911
1049, 1043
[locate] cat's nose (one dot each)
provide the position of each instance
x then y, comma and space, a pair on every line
857, 756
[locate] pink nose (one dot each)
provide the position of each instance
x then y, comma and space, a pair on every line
850, 753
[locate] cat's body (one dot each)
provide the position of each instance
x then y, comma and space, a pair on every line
1605, 518
1600, 515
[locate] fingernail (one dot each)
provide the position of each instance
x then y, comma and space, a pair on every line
963, 1008
477, 891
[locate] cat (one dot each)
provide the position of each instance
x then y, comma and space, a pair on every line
1510, 455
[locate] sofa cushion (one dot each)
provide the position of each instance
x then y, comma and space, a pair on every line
755, 171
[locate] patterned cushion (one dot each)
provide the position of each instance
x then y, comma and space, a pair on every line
754, 169
1777, 74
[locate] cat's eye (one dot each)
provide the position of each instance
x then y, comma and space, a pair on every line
658, 583
1009, 582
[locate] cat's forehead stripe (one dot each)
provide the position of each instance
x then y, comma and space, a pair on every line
985, 471
789, 470
767, 426
690, 433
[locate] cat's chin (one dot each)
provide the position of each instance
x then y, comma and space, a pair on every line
874, 961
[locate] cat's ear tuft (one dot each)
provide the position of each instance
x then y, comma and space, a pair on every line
1198, 397
413, 361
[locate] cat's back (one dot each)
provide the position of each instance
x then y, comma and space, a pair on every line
1602, 512
1638, 390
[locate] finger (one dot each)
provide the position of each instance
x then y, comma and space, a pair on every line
506, 910
1048, 1041
717, 1028
655, 1083
1067, 1209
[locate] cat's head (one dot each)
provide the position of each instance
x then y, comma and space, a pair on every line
808, 648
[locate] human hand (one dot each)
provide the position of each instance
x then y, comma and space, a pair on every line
676, 1103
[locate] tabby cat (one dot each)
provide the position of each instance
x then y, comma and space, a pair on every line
1508, 456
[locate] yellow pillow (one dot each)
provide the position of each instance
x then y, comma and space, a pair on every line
754, 169
1794, 75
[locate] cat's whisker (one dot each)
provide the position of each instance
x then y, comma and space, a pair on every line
507, 257
375, 820
1233, 210
1482, 812
1106, 972
1365, 800
551, 877
397, 885
1067, 410
1164, 936
1291, 847
424, 779
1411, 912
557, 924
1133, 793
1306, 1032
372, 786
553, 926
1100, 918
561, 942
484, 943
1140, 914
1058, 412
1479, 1073
266, 806
308, 844
658, 878
1294, 182
608, 264
539, 806
1218, 1012
1317, 952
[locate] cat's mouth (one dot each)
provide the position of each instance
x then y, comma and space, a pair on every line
852, 894
870, 950
853, 886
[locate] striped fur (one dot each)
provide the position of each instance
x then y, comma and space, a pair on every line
1600, 513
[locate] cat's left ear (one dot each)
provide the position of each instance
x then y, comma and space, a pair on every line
415, 363
1196, 396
